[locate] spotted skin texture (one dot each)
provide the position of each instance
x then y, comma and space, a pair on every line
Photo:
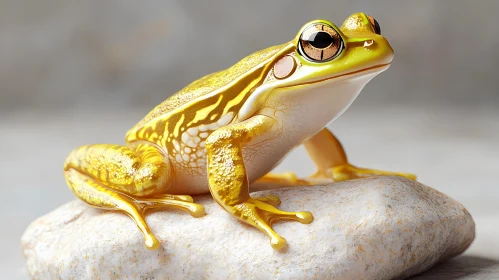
136, 171
230, 128
182, 124
226, 170
211, 84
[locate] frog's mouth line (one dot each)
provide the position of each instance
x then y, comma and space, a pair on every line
369, 69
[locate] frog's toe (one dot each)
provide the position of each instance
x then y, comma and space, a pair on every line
270, 199
151, 242
197, 210
272, 214
344, 172
261, 214
278, 242
179, 202
186, 198
304, 217
286, 178
347, 171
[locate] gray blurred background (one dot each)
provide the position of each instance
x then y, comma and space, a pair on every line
81, 72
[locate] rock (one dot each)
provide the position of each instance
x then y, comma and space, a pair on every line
374, 228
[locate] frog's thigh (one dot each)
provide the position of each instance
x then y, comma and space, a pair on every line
117, 178
141, 171
229, 183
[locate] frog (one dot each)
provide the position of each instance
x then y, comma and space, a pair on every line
227, 131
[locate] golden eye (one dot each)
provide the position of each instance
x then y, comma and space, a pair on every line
374, 25
320, 42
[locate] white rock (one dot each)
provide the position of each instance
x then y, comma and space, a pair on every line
376, 228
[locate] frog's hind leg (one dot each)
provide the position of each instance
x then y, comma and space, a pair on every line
96, 195
286, 179
131, 180
331, 161
332, 165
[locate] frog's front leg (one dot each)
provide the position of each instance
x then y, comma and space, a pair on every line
129, 179
331, 161
228, 180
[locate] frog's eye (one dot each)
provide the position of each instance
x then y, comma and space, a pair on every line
320, 42
374, 25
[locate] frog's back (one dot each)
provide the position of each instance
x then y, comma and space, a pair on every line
207, 85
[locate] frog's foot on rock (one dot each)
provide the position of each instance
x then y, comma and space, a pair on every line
270, 199
331, 161
347, 171
285, 178
182, 202
262, 215
186, 198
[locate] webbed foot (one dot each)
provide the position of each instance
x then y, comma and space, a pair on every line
285, 178
347, 171
270, 199
182, 202
259, 213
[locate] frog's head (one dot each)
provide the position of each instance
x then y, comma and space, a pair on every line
324, 51
328, 66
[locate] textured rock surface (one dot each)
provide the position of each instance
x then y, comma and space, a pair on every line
377, 228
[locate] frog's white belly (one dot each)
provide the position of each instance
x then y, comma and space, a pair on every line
301, 113
259, 159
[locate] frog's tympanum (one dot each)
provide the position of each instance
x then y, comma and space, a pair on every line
230, 128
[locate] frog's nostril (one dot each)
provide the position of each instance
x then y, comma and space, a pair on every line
368, 43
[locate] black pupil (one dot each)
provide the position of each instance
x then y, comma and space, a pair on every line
320, 40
